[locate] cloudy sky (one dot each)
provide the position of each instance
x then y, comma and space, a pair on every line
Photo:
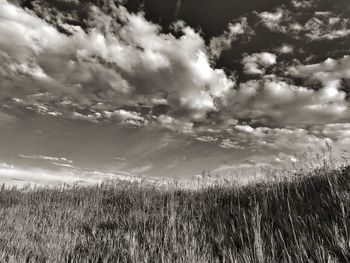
169, 88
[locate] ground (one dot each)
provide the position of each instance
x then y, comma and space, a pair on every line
304, 219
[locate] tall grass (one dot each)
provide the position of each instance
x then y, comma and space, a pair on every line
301, 220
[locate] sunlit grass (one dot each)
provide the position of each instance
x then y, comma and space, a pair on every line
303, 219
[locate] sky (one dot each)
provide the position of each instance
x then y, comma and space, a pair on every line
166, 88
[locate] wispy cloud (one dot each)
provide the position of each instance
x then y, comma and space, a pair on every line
119, 159
142, 169
20, 176
65, 165
46, 158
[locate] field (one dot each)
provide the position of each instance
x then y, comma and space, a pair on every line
304, 219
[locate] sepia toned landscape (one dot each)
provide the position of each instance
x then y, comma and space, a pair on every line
199, 131
301, 218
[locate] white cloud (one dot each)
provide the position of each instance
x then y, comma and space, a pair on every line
273, 139
244, 128
47, 158
330, 73
22, 176
12, 175
65, 165
273, 20
285, 49
323, 25
207, 139
95, 117
130, 67
302, 4
122, 67
126, 117
224, 41
7, 166
175, 125
255, 64
272, 100
337, 132
229, 144
326, 25
328, 70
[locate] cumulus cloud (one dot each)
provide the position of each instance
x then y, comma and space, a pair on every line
326, 25
328, 72
302, 4
272, 20
224, 41
318, 26
273, 101
207, 139
270, 140
33, 103
255, 64
94, 117
285, 49
174, 124
120, 68
229, 144
129, 67
337, 132
126, 117
279, 21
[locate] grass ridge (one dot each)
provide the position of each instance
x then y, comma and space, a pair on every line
301, 220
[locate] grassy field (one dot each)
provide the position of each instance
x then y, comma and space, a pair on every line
301, 220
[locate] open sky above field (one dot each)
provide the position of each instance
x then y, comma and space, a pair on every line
170, 88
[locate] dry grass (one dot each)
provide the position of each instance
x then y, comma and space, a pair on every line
304, 220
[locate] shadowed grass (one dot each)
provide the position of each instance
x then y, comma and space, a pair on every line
301, 220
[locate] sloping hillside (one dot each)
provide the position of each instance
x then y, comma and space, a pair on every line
303, 220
